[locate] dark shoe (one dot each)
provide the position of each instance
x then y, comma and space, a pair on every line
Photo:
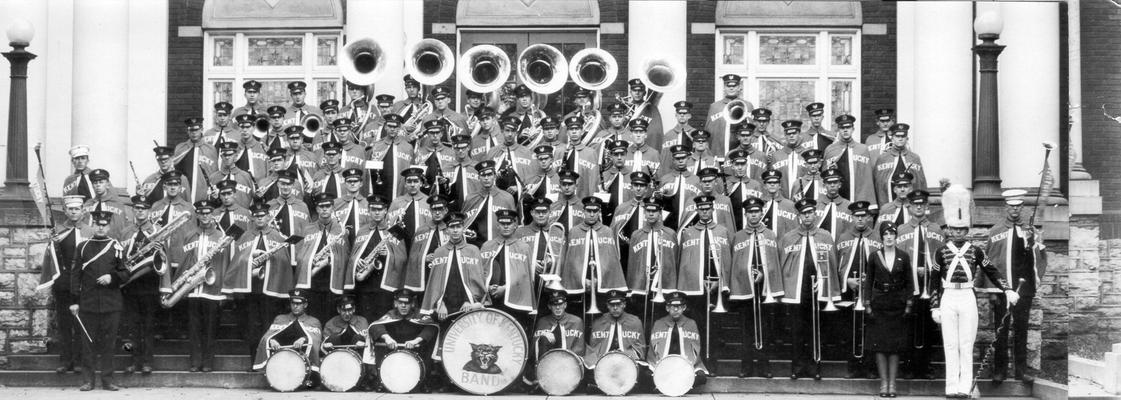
193, 369
999, 377
817, 376
1020, 376
744, 372
86, 387
130, 369
891, 390
207, 369
766, 374
61, 370
110, 387
146, 369
883, 389
77, 369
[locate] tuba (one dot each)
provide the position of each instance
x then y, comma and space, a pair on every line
593, 69
484, 68
362, 61
735, 112
312, 125
542, 68
261, 128
430, 61
661, 75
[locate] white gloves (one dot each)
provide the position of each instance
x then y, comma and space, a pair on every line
1012, 296
936, 315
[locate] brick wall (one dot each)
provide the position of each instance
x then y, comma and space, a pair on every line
615, 11
1101, 84
184, 68
878, 89
25, 319
700, 55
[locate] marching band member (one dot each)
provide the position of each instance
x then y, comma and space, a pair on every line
762, 139
345, 329
545, 241
79, 183
411, 209
267, 188
511, 276
328, 179
456, 122
295, 329
458, 282
196, 159
652, 262
351, 208
920, 238
678, 187
590, 265
887, 303
757, 160
511, 159
627, 216
705, 265
259, 288
701, 157
173, 204
327, 131
462, 179
152, 187
291, 213
481, 207
252, 107
956, 266
141, 296
401, 327
897, 158
550, 135
716, 121
895, 211
432, 155
58, 262
545, 182
613, 179
586, 109
296, 107
741, 186
379, 248
616, 330
559, 330
274, 138
429, 238
222, 131
789, 160
489, 134
373, 131
411, 104
252, 155
880, 137
722, 205
614, 129
855, 246
230, 212
525, 111
854, 161
104, 199
582, 158
244, 186
95, 281
756, 274
202, 302
810, 185
324, 248
676, 334
1015, 249
645, 102
353, 152
361, 109
472, 103
299, 160
394, 153
779, 214
833, 209
641, 155
816, 137
809, 276
568, 210
681, 133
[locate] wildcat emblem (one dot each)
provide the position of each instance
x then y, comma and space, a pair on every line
483, 359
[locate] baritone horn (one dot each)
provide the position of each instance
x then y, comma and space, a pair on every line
593, 69
542, 68
363, 61
430, 61
312, 124
735, 112
661, 75
261, 128
484, 68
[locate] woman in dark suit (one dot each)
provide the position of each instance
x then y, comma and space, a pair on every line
889, 291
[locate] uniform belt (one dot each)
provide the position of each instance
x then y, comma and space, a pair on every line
957, 285
884, 286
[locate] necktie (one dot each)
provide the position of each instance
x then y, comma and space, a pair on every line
539, 249
675, 340
707, 256
651, 251
617, 337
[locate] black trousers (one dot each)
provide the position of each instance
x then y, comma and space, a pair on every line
800, 319
924, 334
202, 330
372, 305
256, 311
695, 307
1021, 313
70, 336
754, 361
140, 322
103, 329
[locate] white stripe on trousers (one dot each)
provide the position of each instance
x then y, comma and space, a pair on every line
959, 332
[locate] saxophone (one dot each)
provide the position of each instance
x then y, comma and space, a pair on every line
375, 260
158, 236
200, 272
261, 258
325, 252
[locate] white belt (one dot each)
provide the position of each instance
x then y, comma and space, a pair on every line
957, 285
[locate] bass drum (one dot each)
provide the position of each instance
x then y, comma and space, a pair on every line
559, 372
616, 374
286, 370
484, 351
341, 370
401, 371
674, 375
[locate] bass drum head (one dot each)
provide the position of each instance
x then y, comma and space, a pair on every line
559, 372
401, 371
616, 374
484, 351
674, 375
341, 370
286, 370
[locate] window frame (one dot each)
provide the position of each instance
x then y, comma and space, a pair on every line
823, 72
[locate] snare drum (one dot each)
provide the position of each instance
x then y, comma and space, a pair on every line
341, 370
401, 371
286, 370
616, 374
559, 372
674, 375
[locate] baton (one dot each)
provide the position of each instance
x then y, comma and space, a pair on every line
82, 325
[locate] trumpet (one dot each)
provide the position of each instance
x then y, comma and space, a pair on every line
200, 272
158, 236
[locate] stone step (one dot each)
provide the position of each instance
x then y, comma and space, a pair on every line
34, 363
828, 386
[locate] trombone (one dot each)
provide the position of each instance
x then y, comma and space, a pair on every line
858, 311
719, 307
590, 293
822, 288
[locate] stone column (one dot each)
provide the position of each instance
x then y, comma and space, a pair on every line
1074, 88
935, 68
100, 90
664, 39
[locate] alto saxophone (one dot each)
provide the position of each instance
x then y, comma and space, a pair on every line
200, 272
325, 252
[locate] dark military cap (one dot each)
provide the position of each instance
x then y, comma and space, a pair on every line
413, 172
639, 125
384, 100
226, 185
440, 92
680, 151
471, 94
323, 199
409, 81
616, 109
618, 146
297, 86
636, 84
582, 93
512, 123
251, 86
567, 175
543, 150
550, 123
831, 175
744, 128
485, 166
859, 208
592, 203
377, 201
277, 111
704, 201
753, 204
918, 196
902, 178
99, 175
640, 178
792, 126
204, 206
540, 203
328, 105
101, 217
285, 176
616, 297
298, 296
885, 114
163, 151
245, 120
259, 208
293, 130
805, 205
811, 156
227, 147
193, 123
393, 120
342, 123
675, 299
223, 108
433, 126
815, 109
761, 114
403, 295
771, 176
140, 201
574, 122
682, 107
461, 141
708, 173
331, 147
522, 91
352, 173
346, 303
652, 204
731, 79
172, 176
437, 201
557, 297
701, 136
738, 156
456, 219
506, 216
845, 121
487, 111
900, 129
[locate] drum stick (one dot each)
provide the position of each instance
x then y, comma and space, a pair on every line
82, 325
